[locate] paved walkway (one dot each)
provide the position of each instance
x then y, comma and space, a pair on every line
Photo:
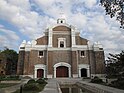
51, 87
53, 84
12, 88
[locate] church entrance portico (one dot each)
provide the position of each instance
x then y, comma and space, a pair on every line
39, 71
62, 69
83, 70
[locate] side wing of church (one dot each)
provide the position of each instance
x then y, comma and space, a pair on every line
61, 52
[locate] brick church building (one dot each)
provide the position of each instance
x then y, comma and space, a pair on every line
61, 52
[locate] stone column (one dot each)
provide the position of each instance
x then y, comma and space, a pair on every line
88, 72
54, 72
69, 71
79, 71
73, 37
35, 73
50, 38
44, 73
70, 90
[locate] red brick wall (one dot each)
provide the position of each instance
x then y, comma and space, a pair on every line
50, 62
61, 28
55, 39
81, 41
26, 63
42, 41
20, 65
100, 62
74, 63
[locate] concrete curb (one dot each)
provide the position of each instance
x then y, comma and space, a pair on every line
97, 88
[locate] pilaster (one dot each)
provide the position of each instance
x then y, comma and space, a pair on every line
50, 38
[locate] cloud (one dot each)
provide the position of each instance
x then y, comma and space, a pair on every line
32, 17
90, 3
8, 37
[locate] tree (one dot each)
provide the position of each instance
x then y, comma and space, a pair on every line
115, 65
9, 58
114, 8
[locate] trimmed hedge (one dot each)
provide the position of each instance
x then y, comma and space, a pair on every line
31, 87
118, 83
96, 80
31, 81
41, 81
11, 77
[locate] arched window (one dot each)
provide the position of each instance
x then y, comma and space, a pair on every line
82, 54
61, 42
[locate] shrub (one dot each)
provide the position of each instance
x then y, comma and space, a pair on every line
41, 81
2, 77
45, 78
31, 81
96, 80
26, 77
13, 76
118, 83
31, 87
9, 77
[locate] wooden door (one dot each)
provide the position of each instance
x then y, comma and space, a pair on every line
62, 71
40, 73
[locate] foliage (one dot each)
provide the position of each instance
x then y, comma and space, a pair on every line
41, 81
4, 85
31, 81
96, 80
26, 77
11, 77
115, 65
119, 83
33, 86
10, 58
114, 8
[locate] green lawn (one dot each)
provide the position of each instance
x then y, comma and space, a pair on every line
4, 85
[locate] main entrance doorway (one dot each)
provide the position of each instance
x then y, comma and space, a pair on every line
40, 73
83, 72
62, 71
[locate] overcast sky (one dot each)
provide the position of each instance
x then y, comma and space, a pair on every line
28, 19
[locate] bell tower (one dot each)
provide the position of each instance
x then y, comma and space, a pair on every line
61, 19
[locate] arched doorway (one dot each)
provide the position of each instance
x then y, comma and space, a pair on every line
83, 72
40, 73
62, 71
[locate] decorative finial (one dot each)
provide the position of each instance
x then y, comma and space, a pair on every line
62, 18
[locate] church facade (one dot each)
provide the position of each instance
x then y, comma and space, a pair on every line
61, 52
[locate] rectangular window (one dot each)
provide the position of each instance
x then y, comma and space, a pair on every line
82, 53
61, 44
41, 54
